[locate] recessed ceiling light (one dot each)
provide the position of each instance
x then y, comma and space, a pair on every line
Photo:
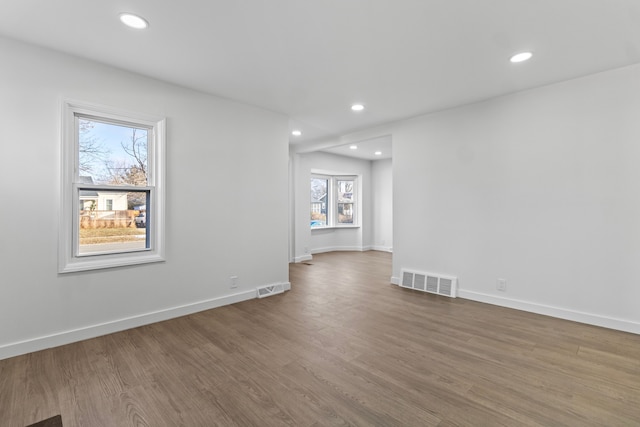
378, 153
520, 57
133, 21
353, 147
357, 107
296, 132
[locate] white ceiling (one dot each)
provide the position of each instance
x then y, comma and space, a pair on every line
312, 59
364, 149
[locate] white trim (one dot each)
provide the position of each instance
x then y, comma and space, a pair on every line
326, 173
92, 331
338, 249
68, 261
302, 258
381, 248
111, 260
547, 310
334, 227
561, 313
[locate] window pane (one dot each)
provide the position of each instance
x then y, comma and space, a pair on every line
319, 188
345, 191
345, 213
112, 154
112, 221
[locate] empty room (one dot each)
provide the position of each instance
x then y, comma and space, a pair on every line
303, 213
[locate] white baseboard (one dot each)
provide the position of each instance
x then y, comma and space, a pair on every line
561, 313
338, 249
304, 258
88, 332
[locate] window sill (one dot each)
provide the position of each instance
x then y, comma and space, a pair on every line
109, 261
335, 227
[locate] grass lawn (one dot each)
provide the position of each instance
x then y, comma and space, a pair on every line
89, 236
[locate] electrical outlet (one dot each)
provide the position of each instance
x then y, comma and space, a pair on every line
306, 250
233, 282
501, 285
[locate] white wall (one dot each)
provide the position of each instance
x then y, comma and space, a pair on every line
541, 188
382, 202
224, 161
307, 241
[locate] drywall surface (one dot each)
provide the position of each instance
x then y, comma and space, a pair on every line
226, 202
382, 201
540, 188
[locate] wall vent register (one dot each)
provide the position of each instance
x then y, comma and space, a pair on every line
429, 282
268, 290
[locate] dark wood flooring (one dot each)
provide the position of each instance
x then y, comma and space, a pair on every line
343, 347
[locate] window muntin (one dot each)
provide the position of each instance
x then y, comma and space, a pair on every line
333, 201
112, 195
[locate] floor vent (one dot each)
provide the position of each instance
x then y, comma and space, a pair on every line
429, 282
268, 290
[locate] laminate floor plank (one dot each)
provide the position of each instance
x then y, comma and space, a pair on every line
13, 390
40, 375
342, 348
368, 389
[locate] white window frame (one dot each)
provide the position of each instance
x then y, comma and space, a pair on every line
69, 259
328, 200
332, 199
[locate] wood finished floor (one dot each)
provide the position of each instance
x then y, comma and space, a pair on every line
343, 347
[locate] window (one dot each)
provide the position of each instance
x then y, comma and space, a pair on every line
112, 176
345, 201
333, 201
319, 201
